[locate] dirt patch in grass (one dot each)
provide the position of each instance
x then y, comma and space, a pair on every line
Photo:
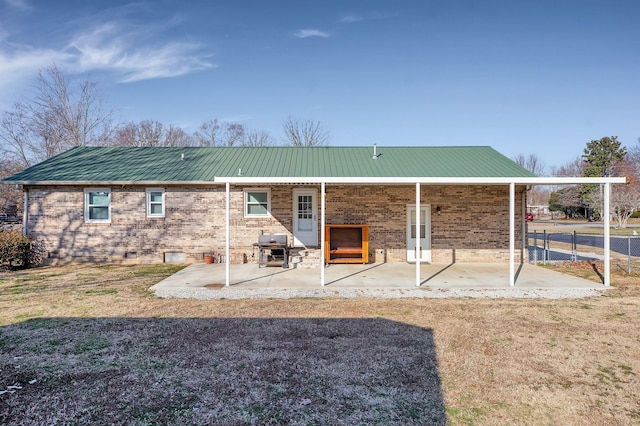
216, 286
90, 344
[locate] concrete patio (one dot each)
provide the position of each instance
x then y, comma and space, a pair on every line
459, 279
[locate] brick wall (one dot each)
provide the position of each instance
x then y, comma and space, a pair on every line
472, 225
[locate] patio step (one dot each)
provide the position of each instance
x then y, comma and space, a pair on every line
304, 258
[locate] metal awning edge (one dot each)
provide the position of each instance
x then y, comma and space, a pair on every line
422, 180
343, 180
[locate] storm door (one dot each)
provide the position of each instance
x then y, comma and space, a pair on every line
305, 217
425, 233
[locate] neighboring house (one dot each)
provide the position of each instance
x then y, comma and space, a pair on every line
538, 211
157, 204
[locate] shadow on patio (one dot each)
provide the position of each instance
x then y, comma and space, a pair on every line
374, 276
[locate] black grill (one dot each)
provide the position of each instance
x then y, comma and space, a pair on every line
272, 250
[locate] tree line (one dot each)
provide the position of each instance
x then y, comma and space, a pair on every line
62, 115
604, 157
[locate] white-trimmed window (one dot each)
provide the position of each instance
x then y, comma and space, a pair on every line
155, 202
257, 202
97, 205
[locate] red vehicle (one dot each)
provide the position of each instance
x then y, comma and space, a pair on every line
529, 217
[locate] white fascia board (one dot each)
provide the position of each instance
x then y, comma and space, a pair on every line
343, 180
423, 180
108, 183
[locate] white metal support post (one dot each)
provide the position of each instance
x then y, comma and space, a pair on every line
418, 235
322, 231
227, 231
607, 236
512, 242
525, 229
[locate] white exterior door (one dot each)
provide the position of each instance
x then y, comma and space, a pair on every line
305, 217
425, 233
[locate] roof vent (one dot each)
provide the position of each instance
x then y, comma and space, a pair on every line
240, 174
182, 156
375, 152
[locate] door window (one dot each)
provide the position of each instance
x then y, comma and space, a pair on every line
305, 213
423, 222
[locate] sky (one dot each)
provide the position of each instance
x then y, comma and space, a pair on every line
523, 76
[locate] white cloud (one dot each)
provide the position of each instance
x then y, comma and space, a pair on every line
171, 60
349, 19
18, 4
110, 48
20, 62
130, 55
311, 33
237, 118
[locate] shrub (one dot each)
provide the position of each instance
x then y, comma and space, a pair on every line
19, 251
636, 215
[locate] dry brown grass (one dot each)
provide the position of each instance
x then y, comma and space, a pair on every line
102, 349
581, 226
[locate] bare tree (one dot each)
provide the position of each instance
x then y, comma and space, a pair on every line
624, 198
220, 133
234, 135
151, 133
258, 138
625, 201
305, 133
209, 133
16, 137
538, 195
126, 135
634, 155
574, 168
531, 163
175, 136
10, 195
59, 117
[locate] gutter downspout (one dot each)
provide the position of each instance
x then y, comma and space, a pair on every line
25, 211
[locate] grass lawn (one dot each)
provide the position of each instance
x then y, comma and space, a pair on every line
89, 344
583, 227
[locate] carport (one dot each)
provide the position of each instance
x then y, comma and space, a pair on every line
419, 273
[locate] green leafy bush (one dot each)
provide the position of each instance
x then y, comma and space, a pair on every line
636, 214
19, 251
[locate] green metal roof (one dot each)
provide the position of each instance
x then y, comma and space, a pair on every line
204, 164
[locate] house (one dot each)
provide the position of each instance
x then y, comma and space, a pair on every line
159, 204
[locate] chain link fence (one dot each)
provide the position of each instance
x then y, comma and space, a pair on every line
548, 247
